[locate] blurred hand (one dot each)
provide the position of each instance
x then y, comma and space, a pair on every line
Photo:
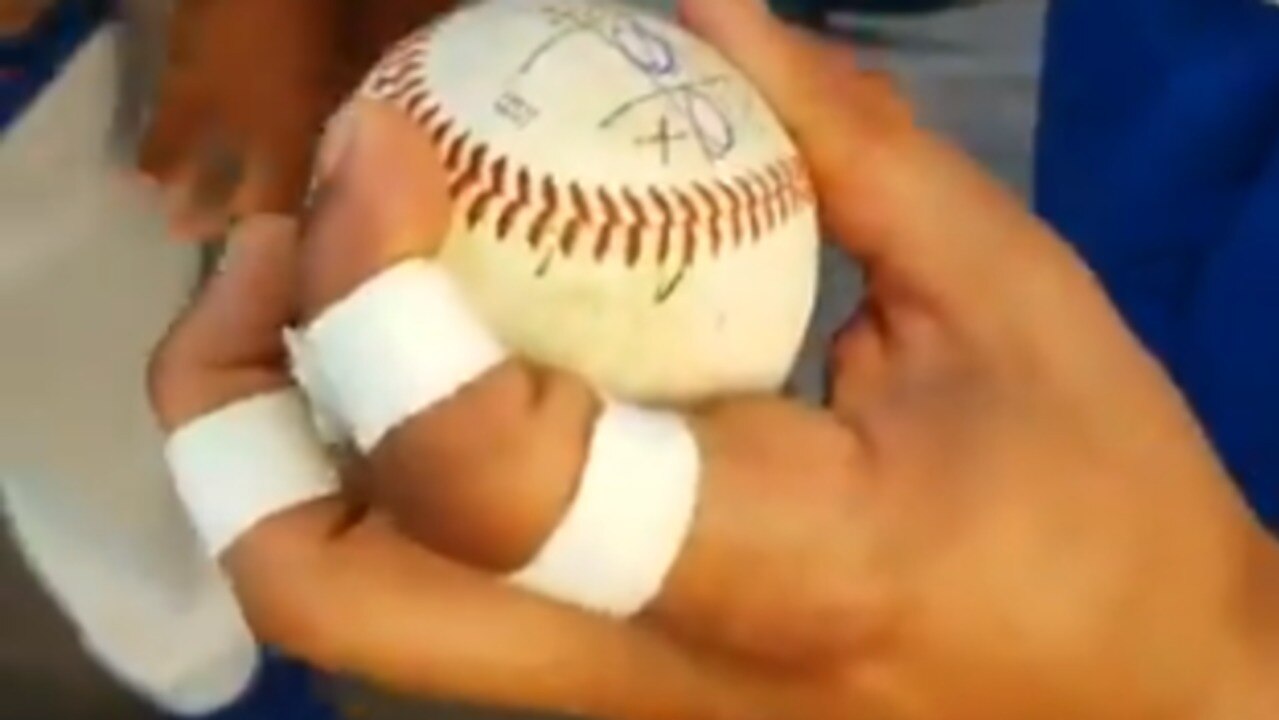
246, 91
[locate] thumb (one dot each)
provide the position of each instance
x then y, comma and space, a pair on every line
922, 217
228, 345
382, 198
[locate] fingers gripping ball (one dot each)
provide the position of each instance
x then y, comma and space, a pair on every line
634, 506
626, 205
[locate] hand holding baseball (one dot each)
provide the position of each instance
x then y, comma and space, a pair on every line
971, 522
982, 541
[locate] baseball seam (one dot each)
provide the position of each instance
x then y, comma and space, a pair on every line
663, 223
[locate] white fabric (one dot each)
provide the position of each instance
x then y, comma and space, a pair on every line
625, 528
400, 343
241, 464
88, 282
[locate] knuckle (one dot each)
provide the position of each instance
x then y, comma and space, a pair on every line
165, 371
161, 368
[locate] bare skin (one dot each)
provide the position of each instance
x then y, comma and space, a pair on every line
17, 15
1007, 511
245, 93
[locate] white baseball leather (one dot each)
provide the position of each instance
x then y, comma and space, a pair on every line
627, 206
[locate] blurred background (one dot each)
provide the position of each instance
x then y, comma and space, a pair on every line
971, 68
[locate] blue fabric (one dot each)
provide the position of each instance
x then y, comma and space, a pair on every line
28, 62
281, 690
1158, 157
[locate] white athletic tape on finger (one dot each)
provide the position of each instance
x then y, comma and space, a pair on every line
333, 432
246, 462
407, 339
400, 343
633, 512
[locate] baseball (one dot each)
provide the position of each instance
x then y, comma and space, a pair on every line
626, 205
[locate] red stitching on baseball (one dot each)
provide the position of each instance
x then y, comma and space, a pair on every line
506, 219
580, 218
453, 154
550, 204
767, 199
635, 229
691, 220
397, 91
751, 205
777, 183
785, 188
414, 104
667, 222
612, 219
634, 244
690, 245
430, 116
777, 178
735, 206
714, 215
568, 237
580, 207
638, 215
737, 209
470, 176
441, 132
396, 74
763, 202
479, 208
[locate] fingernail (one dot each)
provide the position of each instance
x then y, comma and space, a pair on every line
337, 141
143, 179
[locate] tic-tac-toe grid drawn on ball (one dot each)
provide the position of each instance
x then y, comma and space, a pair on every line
625, 164
724, 211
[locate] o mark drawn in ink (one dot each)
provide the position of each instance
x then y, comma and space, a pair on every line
649, 52
655, 57
714, 130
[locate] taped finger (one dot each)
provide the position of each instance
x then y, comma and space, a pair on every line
229, 343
